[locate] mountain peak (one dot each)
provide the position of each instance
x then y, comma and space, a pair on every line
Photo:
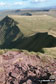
8, 21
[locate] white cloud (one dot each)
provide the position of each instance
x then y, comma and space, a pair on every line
2, 4
35, 1
18, 3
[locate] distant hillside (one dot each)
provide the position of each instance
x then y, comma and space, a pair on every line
21, 12
19, 32
29, 11
27, 14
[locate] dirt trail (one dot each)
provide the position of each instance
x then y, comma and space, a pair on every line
22, 68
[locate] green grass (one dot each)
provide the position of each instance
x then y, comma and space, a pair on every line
2, 51
51, 52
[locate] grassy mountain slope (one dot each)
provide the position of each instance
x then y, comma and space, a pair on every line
28, 32
32, 24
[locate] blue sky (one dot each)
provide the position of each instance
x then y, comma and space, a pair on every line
19, 4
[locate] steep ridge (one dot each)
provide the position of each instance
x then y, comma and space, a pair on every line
12, 37
37, 42
8, 31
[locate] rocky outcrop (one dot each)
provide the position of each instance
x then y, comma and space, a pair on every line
23, 68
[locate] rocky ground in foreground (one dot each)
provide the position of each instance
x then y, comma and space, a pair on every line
22, 68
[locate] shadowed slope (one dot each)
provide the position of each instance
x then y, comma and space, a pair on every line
8, 31
37, 42
12, 37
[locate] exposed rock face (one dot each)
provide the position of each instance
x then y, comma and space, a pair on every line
20, 68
